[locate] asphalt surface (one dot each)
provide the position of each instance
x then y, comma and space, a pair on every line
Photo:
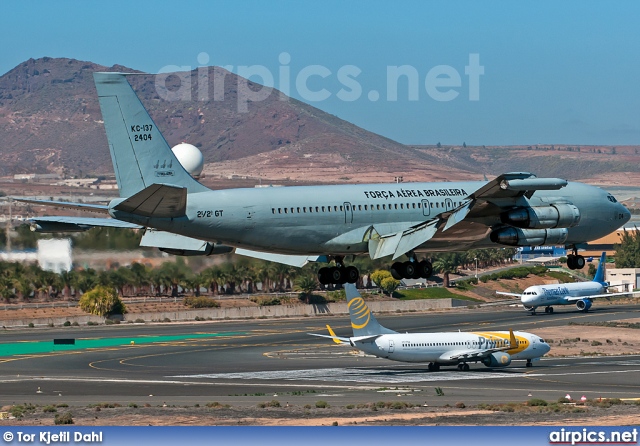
247, 362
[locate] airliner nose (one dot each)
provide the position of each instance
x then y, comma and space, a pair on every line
626, 215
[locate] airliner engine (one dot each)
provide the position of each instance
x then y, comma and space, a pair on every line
497, 359
541, 217
584, 305
529, 237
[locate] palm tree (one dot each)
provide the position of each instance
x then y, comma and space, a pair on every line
446, 264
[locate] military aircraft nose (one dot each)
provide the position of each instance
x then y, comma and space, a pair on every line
626, 215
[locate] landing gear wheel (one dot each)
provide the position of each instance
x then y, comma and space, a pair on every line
352, 274
548, 310
434, 367
337, 275
571, 261
460, 366
579, 262
408, 270
465, 367
425, 269
529, 363
323, 276
396, 270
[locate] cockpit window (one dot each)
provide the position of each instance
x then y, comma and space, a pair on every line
612, 199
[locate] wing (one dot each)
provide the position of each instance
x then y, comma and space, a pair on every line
491, 199
606, 295
76, 224
508, 294
332, 335
293, 260
476, 354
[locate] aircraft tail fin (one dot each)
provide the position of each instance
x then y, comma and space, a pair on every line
363, 322
599, 277
140, 155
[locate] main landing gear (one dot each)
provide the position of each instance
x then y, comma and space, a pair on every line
575, 261
463, 366
434, 366
339, 274
411, 269
529, 363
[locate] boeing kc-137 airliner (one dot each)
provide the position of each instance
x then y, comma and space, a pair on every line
580, 294
491, 348
294, 225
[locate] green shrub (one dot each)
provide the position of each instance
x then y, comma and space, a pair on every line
139, 321
265, 301
102, 301
595, 343
65, 418
537, 402
31, 325
322, 404
201, 302
49, 409
66, 324
133, 405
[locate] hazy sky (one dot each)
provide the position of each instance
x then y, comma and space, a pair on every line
553, 72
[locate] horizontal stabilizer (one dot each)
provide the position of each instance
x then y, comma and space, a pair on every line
285, 259
76, 224
98, 208
157, 200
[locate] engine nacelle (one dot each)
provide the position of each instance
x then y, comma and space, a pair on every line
210, 249
541, 217
497, 359
529, 237
584, 304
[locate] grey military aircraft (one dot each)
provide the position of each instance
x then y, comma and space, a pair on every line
295, 225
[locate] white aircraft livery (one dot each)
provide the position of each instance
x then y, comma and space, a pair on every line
295, 225
580, 294
491, 348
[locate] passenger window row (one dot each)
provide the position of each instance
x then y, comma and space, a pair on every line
359, 207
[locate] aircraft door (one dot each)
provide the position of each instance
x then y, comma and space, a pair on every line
426, 208
448, 204
391, 346
348, 213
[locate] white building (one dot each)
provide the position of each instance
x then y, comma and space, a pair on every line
623, 279
55, 255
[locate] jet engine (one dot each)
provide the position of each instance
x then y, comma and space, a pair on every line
541, 217
529, 237
584, 304
497, 359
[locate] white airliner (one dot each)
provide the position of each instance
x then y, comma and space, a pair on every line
295, 225
491, 348
581, 294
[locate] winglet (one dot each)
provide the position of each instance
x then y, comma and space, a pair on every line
333, 335
513, 343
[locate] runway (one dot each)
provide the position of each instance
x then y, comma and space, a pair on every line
247, 362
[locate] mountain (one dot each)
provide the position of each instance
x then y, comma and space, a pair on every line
50, 122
